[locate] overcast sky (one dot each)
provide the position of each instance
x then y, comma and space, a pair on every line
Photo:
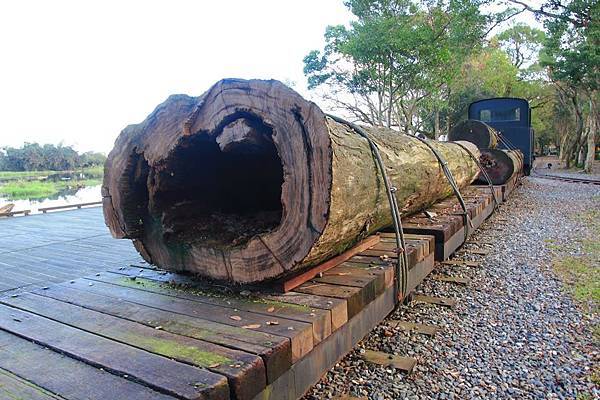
80, 71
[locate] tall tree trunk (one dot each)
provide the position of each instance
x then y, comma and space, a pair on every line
593, 123
250, 182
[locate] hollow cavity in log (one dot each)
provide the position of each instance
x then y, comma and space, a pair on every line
220, 191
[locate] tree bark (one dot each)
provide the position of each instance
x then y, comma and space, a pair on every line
476, 132
593, 123
251, 182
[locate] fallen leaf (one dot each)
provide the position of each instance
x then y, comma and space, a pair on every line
270, 309
214, 365
251, 326
272, 323
236, 317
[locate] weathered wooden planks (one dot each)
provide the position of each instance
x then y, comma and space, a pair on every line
299, 333
185, 288
274, 350
447, 225
64, 376
13, 387
245, 372
156, 372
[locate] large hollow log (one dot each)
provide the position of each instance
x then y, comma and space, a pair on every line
251, 182
476, 132
501, 165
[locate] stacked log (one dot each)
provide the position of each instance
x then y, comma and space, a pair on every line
477, 132
500, 165
250, 182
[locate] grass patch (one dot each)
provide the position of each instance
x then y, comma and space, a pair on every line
578, 266
22, 189
581, 272
32, 185
582, 278
18, 175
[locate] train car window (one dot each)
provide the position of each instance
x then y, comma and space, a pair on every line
498, 115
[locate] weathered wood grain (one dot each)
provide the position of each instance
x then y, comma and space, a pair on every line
245, 372
274, 350
299, 333
157, 372
187, 288
66, 377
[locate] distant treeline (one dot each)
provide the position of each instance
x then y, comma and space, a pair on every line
35, 157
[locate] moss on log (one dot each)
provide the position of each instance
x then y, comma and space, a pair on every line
250, 182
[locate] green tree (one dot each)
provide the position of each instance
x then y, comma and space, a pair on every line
398, 55
522, 43
571, 55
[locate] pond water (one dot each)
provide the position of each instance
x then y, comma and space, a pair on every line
71, 188
86, 194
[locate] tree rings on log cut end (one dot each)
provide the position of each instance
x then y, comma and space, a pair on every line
500, 165
476, 132
233, 185
250, 182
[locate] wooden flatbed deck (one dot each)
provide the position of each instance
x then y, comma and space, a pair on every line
112, 330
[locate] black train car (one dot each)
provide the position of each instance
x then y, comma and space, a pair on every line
512, 118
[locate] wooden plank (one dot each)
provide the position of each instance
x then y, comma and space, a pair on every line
245, 372
156, 372
441, 301
476, 251
418, 272
355, 297
337, 307
67, 377
186, 288
299, 333
275, 351
14, 388
292, 283
359, 276
308, 371
405, 364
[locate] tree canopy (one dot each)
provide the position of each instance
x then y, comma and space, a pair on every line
36, 157
415, 65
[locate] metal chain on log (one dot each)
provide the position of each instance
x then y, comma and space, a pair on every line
401, 256
452, 181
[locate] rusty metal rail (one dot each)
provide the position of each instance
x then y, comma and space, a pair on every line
567, 179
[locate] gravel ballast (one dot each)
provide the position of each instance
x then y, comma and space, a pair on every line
514, 333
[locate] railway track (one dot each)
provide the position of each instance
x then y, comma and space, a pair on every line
566, 178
